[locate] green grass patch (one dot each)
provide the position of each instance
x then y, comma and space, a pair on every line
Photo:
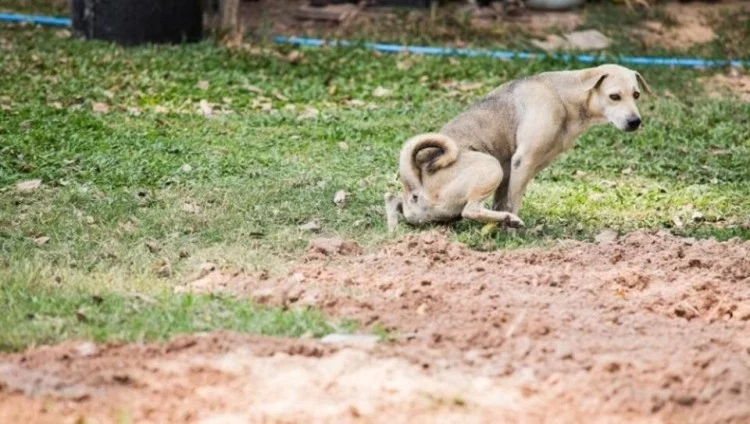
41, 315
128, 160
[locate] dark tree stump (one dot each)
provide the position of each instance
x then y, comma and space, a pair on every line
131, 22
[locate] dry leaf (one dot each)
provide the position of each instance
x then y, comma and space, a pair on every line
309, 113
280, 96
28, 186
312, 226
254, 89
339, 199
153, 246
332, 89
163, 268
203, 85
99, 107
677, 221
205, 108
108, 94
343, 145
294, 57
191, 208
160, 109
469, 86
606, 236
403, 65
40, 241
186, 168
382, 92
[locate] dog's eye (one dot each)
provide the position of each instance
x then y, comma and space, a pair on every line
636, 95
614, 97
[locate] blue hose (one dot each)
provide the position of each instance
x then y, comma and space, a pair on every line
39, 20
504, 54
443, 51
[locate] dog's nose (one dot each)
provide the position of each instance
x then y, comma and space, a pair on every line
634, 123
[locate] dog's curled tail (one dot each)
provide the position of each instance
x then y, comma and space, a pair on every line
409, 169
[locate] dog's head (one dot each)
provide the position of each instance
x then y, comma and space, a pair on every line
613, 92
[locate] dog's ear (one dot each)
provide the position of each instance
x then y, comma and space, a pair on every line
593, 81
642, 82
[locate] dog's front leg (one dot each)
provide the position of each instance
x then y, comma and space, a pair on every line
523, 171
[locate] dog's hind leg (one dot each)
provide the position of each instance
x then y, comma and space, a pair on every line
477, 212
392, 205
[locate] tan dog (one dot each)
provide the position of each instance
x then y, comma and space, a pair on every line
501, 142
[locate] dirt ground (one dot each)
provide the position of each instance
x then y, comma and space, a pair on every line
644, 328
688, 24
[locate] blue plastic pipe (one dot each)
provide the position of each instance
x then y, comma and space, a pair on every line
443, 51
39, 20
504, 54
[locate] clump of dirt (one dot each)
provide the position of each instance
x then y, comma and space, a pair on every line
647, 327
734, 85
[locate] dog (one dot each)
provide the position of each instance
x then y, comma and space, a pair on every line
502, 141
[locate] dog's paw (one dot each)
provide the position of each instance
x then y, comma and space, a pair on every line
514, 222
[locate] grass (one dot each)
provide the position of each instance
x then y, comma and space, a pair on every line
40, 315
126, 159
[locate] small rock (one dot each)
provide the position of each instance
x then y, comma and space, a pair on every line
186, 168
343, 145
207, 267
40, 241
606, 236
203, 85
689, 241
358, 340
742, 312
587, 40
87, 349
28, 186
339, 199
153, 246
333, 246
312, 226
684, 400
697, 217
267, 296
422, 309
184, 253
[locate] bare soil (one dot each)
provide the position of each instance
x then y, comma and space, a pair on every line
645, 328
684, 25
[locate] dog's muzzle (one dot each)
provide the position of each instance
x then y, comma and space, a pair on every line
633, 123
